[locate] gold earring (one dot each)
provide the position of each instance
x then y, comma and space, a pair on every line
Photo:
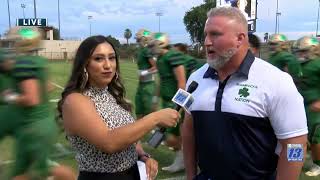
117, 75
85, 78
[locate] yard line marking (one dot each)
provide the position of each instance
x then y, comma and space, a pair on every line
127, 69
6, 162
57, 85
131, 79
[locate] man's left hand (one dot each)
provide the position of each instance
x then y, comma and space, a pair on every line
152, 168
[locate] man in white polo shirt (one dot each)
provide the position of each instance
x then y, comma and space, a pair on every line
247, 120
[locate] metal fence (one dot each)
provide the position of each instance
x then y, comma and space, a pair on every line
57, 55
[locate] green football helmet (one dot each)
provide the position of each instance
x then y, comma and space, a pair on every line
143, 37
277, 43
159, 42
25, 39
276, 38
306, 48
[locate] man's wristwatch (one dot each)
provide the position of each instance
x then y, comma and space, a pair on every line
144, 156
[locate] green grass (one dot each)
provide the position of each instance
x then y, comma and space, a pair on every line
59, 72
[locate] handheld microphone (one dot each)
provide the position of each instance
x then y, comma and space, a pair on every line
183, 99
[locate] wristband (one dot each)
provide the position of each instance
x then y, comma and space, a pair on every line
10, 98
145, 155
143, 73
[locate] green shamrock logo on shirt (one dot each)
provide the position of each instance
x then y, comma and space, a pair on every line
244, 92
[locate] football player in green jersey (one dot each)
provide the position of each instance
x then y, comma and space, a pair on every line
173, 69
195, 62
33, 125
145, 99
6, 63
307, 52
279, 52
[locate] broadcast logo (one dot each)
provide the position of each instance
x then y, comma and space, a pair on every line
295, 152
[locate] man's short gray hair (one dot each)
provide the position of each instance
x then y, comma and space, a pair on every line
229, 12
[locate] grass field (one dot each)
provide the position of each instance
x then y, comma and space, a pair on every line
59, 72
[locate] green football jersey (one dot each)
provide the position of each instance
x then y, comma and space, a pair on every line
143, 57
192, 64
309, 80
33, 67
166, 64
281, 59
6, 81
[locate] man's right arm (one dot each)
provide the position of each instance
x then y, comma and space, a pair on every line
188, 144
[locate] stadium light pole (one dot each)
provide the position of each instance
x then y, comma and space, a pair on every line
318, 20
35, 8
277, 13
9, 14
159, 14
59, 19
23, 6
89, 18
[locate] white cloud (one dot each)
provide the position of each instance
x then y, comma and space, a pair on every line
186, 4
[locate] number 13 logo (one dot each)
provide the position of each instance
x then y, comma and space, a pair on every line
295, 152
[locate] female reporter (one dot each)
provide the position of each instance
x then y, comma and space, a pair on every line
98, 120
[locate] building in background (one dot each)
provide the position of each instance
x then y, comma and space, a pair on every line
51, 46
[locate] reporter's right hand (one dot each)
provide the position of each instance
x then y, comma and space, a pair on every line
167, 117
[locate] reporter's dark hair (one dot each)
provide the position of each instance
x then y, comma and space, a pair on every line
76, 79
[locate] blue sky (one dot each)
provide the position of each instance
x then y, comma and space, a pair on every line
112, 17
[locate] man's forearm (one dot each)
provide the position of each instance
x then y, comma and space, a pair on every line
289, 169
189, 150
180, 75
189, 160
